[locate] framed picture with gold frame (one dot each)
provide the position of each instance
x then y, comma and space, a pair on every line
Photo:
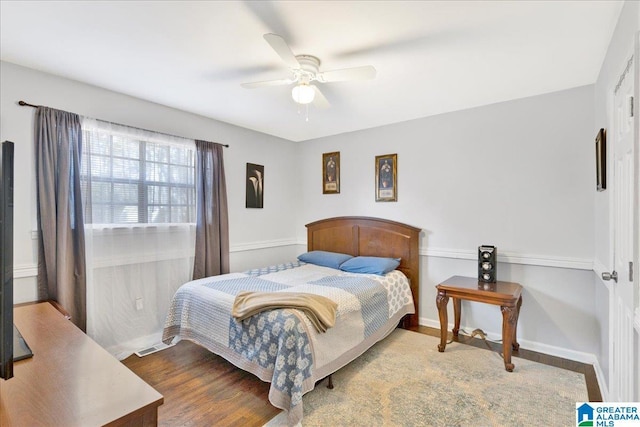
331, 173
386, 178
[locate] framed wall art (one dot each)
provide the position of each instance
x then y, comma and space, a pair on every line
255, 186
386, 178
601, 160
331, 173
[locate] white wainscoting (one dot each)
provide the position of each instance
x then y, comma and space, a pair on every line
284, 245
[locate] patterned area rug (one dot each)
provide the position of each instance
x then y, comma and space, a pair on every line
405, 381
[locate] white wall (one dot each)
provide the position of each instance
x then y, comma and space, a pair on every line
518, 175
619, 51
250, 238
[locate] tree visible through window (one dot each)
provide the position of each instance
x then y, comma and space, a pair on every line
130, 180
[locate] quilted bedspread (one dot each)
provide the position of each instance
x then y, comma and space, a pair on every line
281, 346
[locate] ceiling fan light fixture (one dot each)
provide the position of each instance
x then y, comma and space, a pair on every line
303, 94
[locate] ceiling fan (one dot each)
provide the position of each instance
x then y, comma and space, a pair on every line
305, 70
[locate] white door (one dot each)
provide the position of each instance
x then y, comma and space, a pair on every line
622, 354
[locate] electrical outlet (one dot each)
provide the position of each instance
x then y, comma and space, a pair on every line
139, 304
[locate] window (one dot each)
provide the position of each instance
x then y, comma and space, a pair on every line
130, 176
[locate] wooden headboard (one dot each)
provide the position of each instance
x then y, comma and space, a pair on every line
356, 235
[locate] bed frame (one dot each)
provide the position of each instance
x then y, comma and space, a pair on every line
364, 236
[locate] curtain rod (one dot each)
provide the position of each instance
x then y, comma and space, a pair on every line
26, 104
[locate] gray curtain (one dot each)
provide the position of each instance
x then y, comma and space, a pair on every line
61, 254
212, 222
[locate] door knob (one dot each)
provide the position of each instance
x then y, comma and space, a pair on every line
610, 276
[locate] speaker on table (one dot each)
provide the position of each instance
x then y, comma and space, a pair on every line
487, 263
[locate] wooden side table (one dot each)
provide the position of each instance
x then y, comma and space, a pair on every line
505, 294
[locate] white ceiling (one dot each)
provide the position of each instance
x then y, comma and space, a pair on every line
431, 56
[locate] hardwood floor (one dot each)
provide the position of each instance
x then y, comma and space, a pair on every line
202, 389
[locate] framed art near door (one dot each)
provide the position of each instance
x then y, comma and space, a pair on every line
331, 173
601, 160
386, 178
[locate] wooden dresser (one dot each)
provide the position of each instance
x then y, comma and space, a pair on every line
71, 380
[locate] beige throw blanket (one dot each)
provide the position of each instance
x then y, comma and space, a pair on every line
320, 310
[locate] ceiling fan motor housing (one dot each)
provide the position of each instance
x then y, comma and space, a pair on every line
309, 66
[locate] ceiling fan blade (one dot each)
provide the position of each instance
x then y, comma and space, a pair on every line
319, 99
356, 73
280, 82
282, 49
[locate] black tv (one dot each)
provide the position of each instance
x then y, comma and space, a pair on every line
6, 261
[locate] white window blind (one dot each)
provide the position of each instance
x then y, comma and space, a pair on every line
133, 176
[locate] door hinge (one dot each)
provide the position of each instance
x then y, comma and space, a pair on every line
631, 106
631, 271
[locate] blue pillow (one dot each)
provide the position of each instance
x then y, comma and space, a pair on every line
324, 258
370, 265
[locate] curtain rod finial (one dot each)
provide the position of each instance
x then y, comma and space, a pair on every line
26, 104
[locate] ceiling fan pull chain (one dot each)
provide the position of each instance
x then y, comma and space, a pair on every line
306, 111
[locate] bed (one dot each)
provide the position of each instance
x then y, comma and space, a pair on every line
282, 346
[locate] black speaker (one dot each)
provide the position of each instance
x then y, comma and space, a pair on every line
487, 263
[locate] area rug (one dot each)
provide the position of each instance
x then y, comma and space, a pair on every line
405, 381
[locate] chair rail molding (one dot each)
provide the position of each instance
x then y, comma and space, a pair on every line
513, 258
264, 244
25, 270
30, 270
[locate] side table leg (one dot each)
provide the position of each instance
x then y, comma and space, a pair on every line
456, 316
515, 344
441, 302
509, 316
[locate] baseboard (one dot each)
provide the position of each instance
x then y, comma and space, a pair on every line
565, 353
602, 382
